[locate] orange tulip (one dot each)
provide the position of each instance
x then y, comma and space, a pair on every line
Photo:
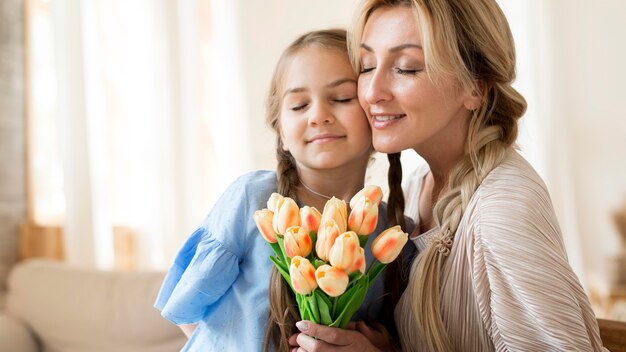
286, 215
388, 245
310, 218
302, 274
373, 193
271, 203
331, 280
363, 217
337, 210
297, 242
263, 220
345, 251
359, 263
326, 236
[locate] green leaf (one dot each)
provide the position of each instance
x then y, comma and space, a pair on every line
346, 296
323, 305
284, 272
363, 240
318, 262
276, 248
281, 243
374, 271
315, 313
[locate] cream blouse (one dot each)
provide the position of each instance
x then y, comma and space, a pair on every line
507, 285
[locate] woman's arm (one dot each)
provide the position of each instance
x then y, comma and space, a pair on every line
356, 337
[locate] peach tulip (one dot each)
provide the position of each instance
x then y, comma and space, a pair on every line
310, 218
297, 242
337, 210
326, 236
364, 216
345, 251
263, 220
302, 274
331, 280
359, 263
388, 245
271, 203
373, 193
286, 215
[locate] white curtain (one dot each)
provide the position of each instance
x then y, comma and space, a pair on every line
135, 106
545, 139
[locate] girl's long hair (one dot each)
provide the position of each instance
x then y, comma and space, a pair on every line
283, 312
470, 42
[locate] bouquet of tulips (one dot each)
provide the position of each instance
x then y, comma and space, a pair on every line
330, 282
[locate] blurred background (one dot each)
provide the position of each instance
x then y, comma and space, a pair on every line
121, 122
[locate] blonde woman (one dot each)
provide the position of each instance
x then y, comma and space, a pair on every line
492, 272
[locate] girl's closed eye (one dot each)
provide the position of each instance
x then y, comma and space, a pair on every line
344, 100
299, 106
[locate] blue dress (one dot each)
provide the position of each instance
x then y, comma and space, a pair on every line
219, 278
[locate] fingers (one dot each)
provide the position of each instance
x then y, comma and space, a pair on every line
334, 336
293, 340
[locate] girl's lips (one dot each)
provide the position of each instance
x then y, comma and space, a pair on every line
324, 138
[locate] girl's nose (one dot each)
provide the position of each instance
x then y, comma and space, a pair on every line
321, 114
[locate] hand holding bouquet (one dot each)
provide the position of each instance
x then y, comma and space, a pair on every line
322, 257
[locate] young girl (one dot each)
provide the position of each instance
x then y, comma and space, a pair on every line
219, 280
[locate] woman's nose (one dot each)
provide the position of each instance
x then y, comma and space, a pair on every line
376, 88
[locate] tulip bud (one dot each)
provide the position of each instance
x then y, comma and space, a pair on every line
302, 274
359, 263
331, 280
337, 210
373, 193
286, 215
344, 251
310, 218
271, 203
326, 236
363, 217
263, 220
297, 242
389, 244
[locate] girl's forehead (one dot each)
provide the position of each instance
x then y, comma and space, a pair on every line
315, 66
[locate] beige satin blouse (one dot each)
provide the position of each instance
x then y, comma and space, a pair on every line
507, 285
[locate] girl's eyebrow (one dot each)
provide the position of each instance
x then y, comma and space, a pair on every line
332, 84
395, 48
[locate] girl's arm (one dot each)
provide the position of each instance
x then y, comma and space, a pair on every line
188, 329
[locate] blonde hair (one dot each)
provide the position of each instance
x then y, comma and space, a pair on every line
471, 43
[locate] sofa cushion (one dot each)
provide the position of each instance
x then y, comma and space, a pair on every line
15, 337
86, 310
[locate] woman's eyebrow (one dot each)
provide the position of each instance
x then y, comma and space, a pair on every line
395, 48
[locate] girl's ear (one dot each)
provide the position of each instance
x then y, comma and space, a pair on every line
474, 98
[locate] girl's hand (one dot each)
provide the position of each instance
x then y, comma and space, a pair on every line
356, 337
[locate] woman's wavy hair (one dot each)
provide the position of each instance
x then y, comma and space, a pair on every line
470, 42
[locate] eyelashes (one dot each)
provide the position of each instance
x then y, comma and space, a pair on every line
303, 106
398, 70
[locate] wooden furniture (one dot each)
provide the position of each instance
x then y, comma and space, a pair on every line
613, 334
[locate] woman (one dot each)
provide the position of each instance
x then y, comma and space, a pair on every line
492, 272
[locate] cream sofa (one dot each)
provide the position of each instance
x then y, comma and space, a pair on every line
51, 307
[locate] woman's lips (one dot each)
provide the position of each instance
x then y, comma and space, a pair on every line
380, 121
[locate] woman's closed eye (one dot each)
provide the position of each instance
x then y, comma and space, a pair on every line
407, 71
366, 69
